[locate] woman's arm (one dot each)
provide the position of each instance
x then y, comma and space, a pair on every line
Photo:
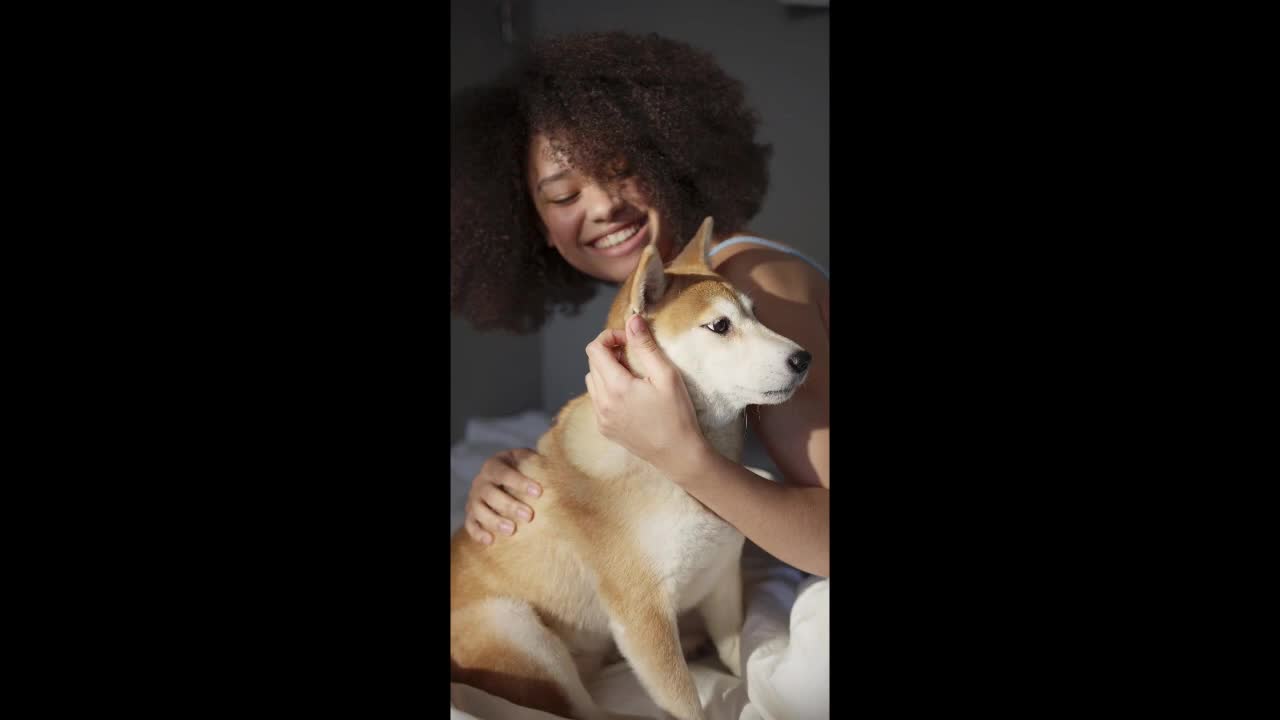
790, 522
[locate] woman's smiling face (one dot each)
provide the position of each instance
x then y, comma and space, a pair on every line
598, 230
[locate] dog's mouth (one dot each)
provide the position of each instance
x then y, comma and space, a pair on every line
773, 397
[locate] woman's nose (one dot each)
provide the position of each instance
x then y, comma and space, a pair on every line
605, 203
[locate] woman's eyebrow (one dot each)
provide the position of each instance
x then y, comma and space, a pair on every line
552, 178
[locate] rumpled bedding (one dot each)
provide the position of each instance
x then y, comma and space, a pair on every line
785, 639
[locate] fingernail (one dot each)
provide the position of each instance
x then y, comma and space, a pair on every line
507, 527
486, 539
534, 490
524, 514
635, 325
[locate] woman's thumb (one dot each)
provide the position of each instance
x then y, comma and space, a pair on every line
638, 332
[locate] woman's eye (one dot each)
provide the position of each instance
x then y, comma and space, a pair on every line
719, 327
565, 200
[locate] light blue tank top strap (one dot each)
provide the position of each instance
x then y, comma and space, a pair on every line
750, 239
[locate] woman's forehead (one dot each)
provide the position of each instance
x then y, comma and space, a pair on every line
546, 155
541, 147
549, 155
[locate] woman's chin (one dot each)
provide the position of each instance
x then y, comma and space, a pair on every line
614, 270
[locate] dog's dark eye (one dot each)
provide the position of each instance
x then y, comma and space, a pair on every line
719, 327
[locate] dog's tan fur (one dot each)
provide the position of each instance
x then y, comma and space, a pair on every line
617, 553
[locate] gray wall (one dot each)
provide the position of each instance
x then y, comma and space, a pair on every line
490, 374
564, 341
779, 52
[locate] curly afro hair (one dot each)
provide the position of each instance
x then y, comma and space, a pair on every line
679, 125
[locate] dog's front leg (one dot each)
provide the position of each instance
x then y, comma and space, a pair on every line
644, 626
722, 611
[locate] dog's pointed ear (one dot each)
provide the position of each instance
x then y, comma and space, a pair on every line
648, 282
693, 258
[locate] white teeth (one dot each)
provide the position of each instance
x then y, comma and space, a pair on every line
617, 238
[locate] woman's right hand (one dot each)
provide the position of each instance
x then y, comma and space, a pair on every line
492, 507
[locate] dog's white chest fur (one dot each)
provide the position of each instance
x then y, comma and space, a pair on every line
688, 546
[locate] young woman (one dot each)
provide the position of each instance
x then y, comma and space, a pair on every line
555, 168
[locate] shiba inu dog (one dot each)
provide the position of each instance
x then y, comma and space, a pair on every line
620, 551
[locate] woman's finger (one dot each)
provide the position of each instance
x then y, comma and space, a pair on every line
506, 506
501, 472
597, 398
478, 533
611, 338
490, 520
604, 363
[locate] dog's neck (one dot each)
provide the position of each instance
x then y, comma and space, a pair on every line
721, 422
587, 449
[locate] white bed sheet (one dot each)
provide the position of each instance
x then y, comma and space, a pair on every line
785, 639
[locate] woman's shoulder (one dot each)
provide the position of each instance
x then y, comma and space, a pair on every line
754, 262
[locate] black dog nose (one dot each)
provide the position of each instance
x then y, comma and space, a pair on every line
800, 361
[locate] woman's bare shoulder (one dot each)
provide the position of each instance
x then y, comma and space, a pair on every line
754, 268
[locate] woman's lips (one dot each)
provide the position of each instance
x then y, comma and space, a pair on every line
626, 246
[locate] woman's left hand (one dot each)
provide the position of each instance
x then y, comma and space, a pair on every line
651, 416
